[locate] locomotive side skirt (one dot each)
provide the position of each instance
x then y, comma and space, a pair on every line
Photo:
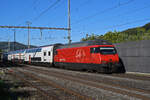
103, 68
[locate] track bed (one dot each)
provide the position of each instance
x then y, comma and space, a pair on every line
86, 86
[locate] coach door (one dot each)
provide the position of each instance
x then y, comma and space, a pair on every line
45, 56
49, 57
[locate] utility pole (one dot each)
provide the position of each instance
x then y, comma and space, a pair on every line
8, 44
28, 23
14, 39
69, 26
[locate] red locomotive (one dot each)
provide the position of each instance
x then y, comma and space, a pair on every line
94, 55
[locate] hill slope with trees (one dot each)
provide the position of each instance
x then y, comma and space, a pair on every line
133, 34
5, 46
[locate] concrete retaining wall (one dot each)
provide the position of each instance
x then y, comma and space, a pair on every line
135, 55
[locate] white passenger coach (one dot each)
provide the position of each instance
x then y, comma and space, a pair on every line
43, 54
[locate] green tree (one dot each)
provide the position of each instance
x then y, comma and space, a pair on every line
134, 34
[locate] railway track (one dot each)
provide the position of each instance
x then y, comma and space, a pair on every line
94, 86
124, 80
29, 80
107, 85
133, 76
48, 89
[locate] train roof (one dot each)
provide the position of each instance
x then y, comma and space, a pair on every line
17, 51
85, 43
31, 50
57, 44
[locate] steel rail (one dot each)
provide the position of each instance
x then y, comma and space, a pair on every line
41, 92
69, 77
57, 86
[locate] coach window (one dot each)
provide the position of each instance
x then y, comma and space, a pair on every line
44, 53
49, 53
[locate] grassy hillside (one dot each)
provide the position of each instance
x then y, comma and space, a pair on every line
133, 34
18, 46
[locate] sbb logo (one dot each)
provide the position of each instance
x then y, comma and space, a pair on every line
80, 55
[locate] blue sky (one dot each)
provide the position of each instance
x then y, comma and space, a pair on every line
87, 16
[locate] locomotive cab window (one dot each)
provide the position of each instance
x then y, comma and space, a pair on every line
103, 50
108, 50
94, 50
91, 50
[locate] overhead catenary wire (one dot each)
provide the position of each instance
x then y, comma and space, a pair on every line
41, 28
41, 13
26, 27
34, 3
84, 3
103, 11
44, 11
123, 24
60, 3
128, 23
81, 5
134, 11
127, 13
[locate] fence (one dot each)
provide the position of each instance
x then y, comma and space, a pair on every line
135, 55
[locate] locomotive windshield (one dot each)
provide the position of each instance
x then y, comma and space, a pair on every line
103, 50
108, 50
